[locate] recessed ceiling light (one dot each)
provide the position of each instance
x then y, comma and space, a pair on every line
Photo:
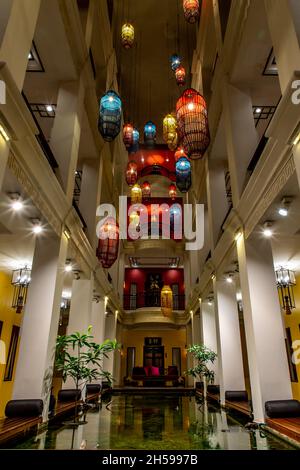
17, 205
68, 268
49, 108
30, 56
229, 279
258, 110
283, 211
37, 229
268, 233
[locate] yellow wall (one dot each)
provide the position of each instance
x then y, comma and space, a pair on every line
293, 322
170, 339
9, 317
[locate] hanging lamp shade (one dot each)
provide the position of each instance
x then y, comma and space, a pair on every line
146, 190
110, 112
183, 174
191, 10
108, 245
136, 194
134, 218
131, 173
135, 141
192, 121
127, 35
170, 131
180, 76
166, 301
180, 152
128, 135
150, 133
175, 61
172, 191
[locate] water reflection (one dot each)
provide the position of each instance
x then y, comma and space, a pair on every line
162, 423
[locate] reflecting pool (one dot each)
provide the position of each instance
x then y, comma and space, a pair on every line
155, 422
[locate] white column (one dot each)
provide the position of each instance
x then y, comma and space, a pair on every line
81, 305
283, 18
40, 321
196, 335
296, 155
209, 334
229, 339
189, 359
4, 152
240, 145
98, 320
269, 373
66, 132
216, 198
18, 36
110, 333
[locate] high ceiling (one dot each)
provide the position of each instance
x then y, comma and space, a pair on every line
147, 82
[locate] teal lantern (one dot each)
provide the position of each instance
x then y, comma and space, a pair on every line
150, 133
175, 62
110, 114
183, 174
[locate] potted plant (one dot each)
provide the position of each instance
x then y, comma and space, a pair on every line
202, 356
79, 357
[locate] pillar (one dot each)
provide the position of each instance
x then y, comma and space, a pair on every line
16, 43
98, 320
110, 333
66, 133
240, 145
269, 373
283, 19
216, 199
189, 359
296, 155
209, 334
40, 321
231, 370
4, 152
196, 335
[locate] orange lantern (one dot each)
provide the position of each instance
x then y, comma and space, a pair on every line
128, 135
172, 191
131, 173
180, 152
180, 76
108, 246
166, 301
146, 190
191, 9
136, 194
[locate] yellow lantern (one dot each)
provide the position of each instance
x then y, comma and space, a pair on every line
136, 194
170, 131
134, 218
166, 301
127, 35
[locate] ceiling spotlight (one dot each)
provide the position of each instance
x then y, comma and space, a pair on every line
16, 202
285, 205
283, 211
30, 56
68, 268
229, 280
17, 205
267, 231
37, 226
49, 108
258, 110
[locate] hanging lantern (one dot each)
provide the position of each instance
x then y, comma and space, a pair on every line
183, 174
127, 35
20, 280
286, 281
146, 190
180, 76
108, 245
191, 10
136, 194
180, 152
175, 62
135, 141
166, 301
131, 173
172, 191
134, 218
128, 135
169, 131
150, 133
110, 113
192, 122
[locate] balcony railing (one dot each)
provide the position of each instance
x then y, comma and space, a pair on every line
150, 299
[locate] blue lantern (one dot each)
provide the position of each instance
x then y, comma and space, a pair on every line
110, 112
136, 140
175, 62
183, 174
150, 133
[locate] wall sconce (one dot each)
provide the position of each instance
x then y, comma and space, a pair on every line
20, 280
286, 280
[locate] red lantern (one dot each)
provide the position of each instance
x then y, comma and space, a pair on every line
131, 173
172, 191
191, 10
128, 135
180, 76
193, 130
108, 246
180, 152
146, 190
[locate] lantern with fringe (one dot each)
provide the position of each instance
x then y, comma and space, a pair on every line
180, 152
175, 62
169, 131
131, 173
191, 9
146, 190
166, 301
135, 141
192, 122
127, 35
108, 245
183, 174
128, 135
172, 191
136, 194
180, 76
110, 113
150, 133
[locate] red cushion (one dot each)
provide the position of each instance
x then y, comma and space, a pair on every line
155, 371
147, 370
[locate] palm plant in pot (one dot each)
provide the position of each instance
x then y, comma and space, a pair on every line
202, 357
80, 358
